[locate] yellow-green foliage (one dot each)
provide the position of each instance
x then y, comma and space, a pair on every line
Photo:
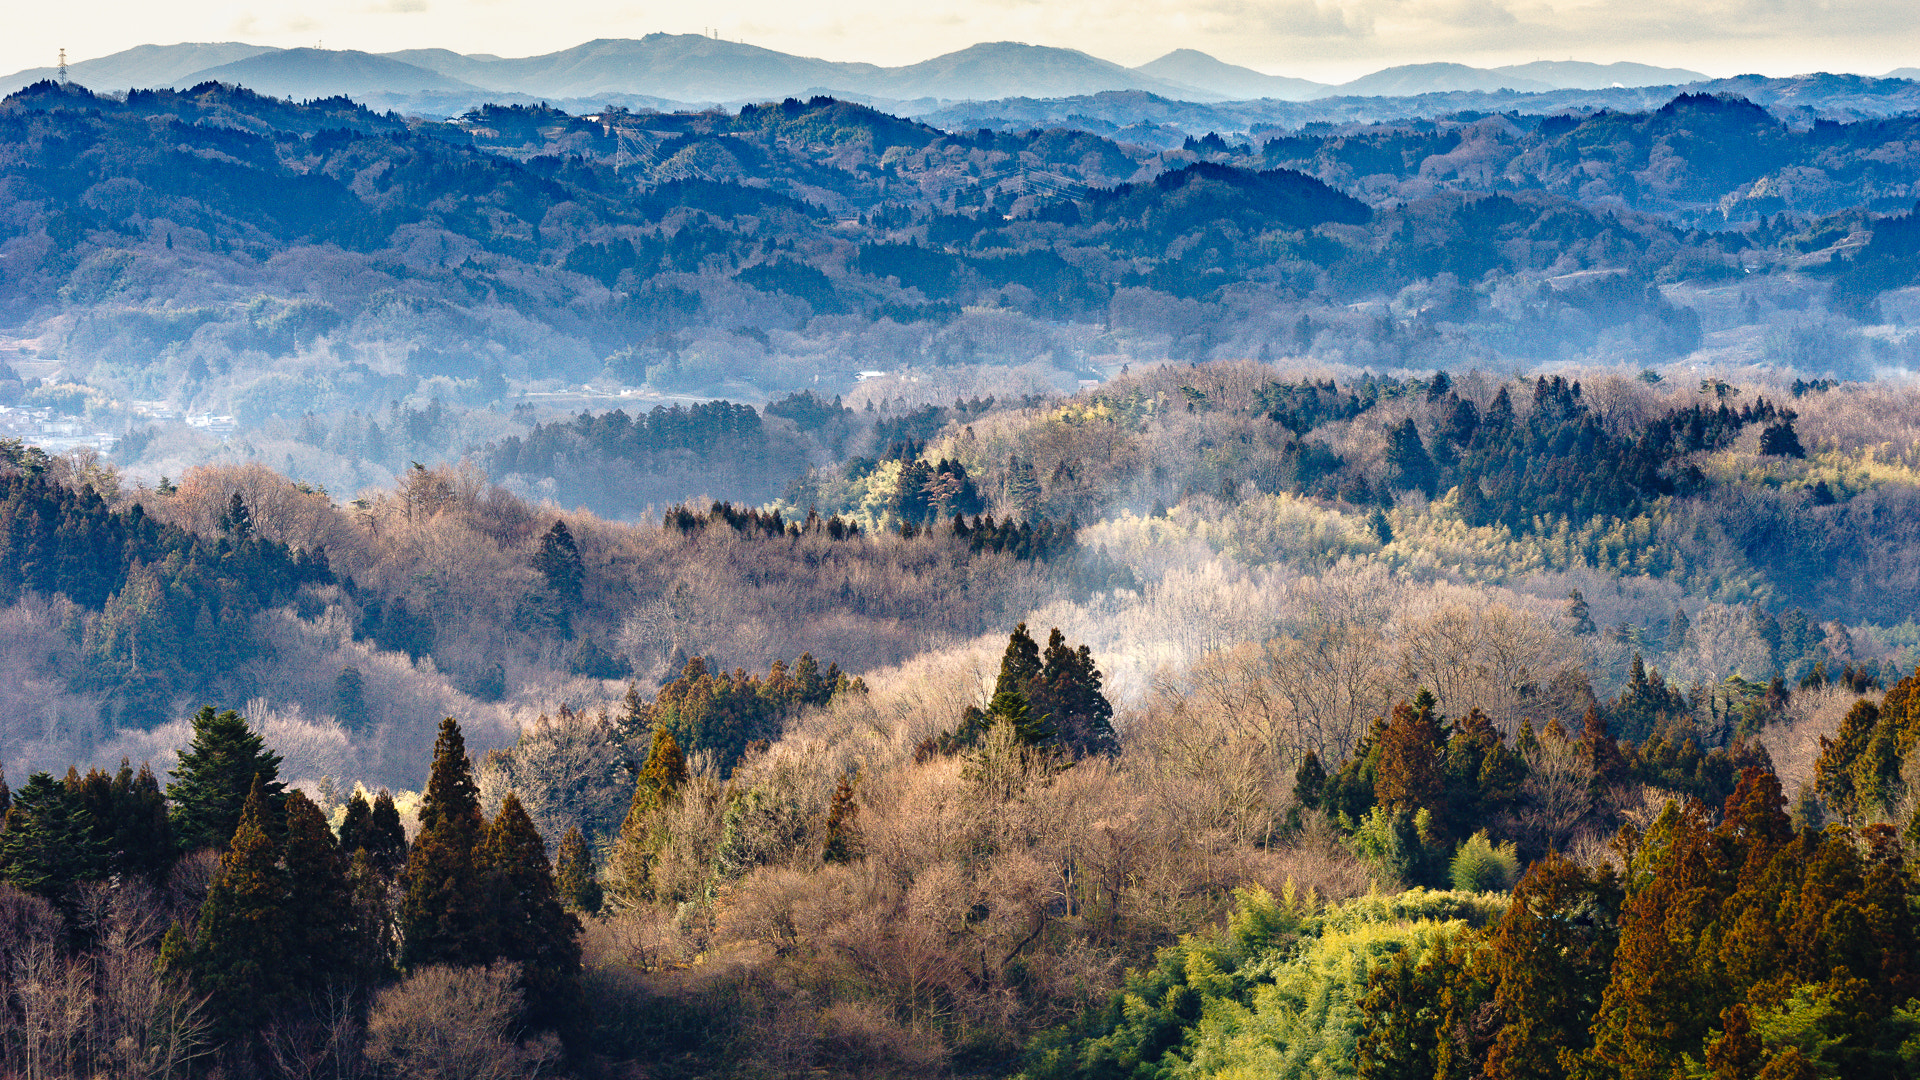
1276, 995
1306, 1022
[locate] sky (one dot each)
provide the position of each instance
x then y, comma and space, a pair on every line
1328, 40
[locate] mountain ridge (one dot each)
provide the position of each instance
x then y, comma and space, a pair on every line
694, 69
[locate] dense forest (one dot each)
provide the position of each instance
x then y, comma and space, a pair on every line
328, 276
802, 592
1221, 719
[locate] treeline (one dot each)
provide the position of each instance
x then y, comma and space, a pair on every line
238, 934
1627, 476
1728, 940
149, 588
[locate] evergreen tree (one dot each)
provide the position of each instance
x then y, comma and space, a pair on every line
1066, 694
526, 923
558, 561
1579, 615
1411, 773
578, 883
1677, 630
442, 918
1549, 960
386, 838
1408, 463
357, 824
128, 816
1020, 664
49, 843
641, 833
660, 776
319, 905
216, 772
350, 699
238, 955
237, 519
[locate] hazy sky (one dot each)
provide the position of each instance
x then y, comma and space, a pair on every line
1325, 39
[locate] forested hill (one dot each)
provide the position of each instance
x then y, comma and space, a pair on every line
232, 253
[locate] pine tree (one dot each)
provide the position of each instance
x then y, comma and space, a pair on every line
215, 775
1549, 960
1020, 664
1066, 695
319, 906
49, 844
128, 816
1579, 615
238, 955
442, 918
1677, 630
526, 923
1411, 771
356, 825
631, 869
350, 699
579, 884
1408, 463
1599, 752
660, 776
237, 519
559, 563
386, 838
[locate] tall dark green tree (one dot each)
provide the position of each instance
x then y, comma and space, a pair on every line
386, 839
575, 874
558, 561
129, 819
238, 956
1408, 463
319, 903
1067, 695
50, 842
350, 699
356, 823
1549, 960
526, 922
442, 916
216, 772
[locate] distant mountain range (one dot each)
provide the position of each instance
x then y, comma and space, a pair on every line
688, 68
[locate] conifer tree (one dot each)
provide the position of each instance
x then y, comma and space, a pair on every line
1677, 630
1579, 614
128, 816
214, 777
1549, 960
660, 776
578, 883
386, 838
526, 923
559, 563
238, 955
1411, 771
841, 845
350, 699
49, 843
319, 905
1599, 752
1066, 694
640, 836
356, 824
442, 918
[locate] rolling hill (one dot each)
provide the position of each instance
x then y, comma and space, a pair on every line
1191, 67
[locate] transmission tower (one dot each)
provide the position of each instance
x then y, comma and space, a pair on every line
63, 66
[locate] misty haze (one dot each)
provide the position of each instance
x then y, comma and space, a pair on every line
1320, 541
